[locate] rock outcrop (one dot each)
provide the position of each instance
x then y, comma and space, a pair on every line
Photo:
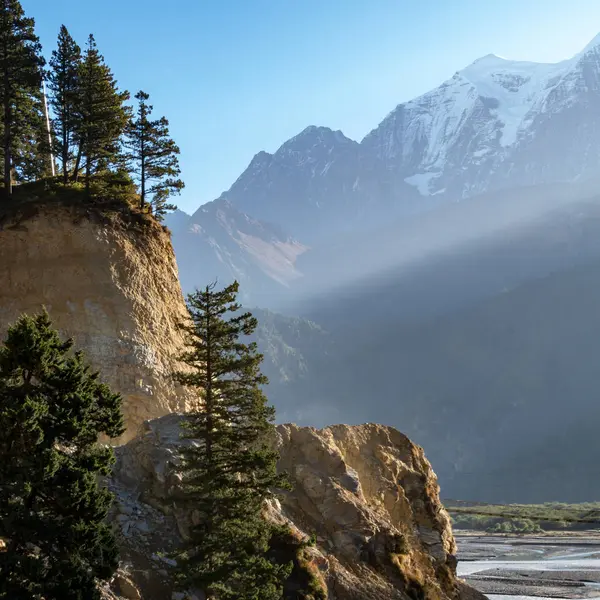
111, 287
368, 494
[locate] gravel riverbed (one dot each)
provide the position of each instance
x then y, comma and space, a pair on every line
521, 567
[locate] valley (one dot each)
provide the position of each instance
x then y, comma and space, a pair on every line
441, 275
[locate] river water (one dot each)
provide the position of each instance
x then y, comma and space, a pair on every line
524, 568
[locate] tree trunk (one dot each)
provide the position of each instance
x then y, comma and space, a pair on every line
77, 168
7, 147
209, 399
143, 177
88, 176
65, 150
7, 142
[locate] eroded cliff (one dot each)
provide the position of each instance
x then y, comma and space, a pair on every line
367, 492
111, 286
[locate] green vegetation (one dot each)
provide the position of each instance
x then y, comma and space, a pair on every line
113, 200
230, 470
101, 116
52, 510
154, 157
21, 105
526, 518
65, 88
92, 126
304, 581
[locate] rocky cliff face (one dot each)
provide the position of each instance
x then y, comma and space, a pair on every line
115, 290
368, 493
221, 242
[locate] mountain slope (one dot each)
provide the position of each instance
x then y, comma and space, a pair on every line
497, 392
495, 125
498, 238
317, 184
220, 242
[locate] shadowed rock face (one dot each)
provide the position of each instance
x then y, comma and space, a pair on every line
113, 289
368, 493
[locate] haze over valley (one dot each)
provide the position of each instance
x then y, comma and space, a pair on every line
442, 275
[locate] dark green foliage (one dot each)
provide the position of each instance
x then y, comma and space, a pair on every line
22, 123
303, 582
65, 88
230, 471
516, 526
89, 121
101, 115
52, 409
114, 201
526, 518
154, 158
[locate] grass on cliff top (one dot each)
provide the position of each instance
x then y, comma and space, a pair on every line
525, 518
113, 199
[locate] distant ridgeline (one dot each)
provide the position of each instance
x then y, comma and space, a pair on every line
524, 518
84, 143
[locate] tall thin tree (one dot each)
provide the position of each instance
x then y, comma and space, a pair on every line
21, 66
230, 471
101, 116
154, 157
65, 88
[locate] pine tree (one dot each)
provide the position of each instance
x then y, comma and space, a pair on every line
154, 157
101, 115
230, 471
65, 96
31, 150
21, 67
52, 510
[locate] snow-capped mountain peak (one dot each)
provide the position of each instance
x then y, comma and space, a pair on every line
496, 123
464, 137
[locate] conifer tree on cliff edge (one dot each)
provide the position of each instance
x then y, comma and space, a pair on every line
21, 66
230, 470
66, 95
153, 156
52, 510
101, 115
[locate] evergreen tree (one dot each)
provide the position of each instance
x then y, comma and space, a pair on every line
31, 150
65, 96
230, 471
154, 157
21, 108
52, 510
101, 115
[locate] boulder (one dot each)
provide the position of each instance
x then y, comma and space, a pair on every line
366, 492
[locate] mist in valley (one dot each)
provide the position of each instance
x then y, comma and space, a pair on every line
447, 286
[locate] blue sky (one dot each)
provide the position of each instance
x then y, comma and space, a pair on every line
238, 76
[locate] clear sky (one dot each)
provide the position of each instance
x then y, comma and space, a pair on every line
238, 76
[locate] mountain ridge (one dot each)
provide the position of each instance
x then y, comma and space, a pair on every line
495, 125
